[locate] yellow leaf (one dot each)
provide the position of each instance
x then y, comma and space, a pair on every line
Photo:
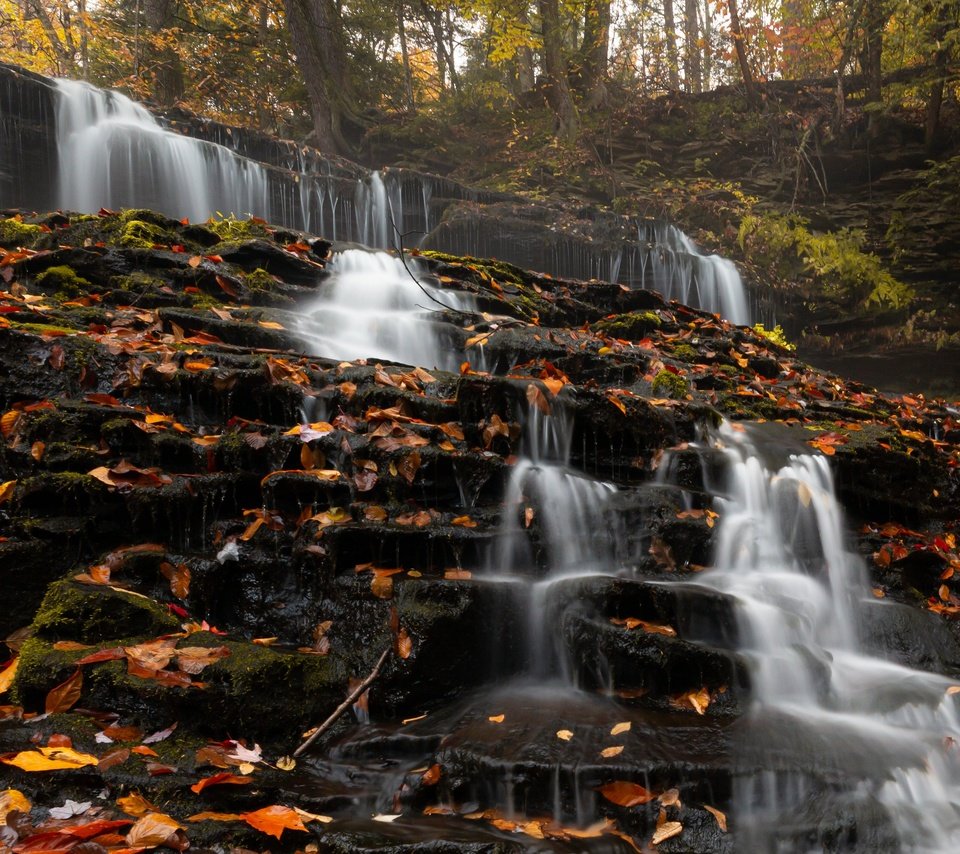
270, 324
6, 490
623, 726
564, 734
607, 752
719, 816
135, 805
10, 800
286, 763
666, 831
50, 759
496, 719
7, 674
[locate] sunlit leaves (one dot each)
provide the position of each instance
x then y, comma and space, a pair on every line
49, 759
626, 794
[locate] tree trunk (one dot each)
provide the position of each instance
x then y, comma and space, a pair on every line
945, 17
595, 51
691, 54
738, 41
162, 59
873, 50
408, 102
316, 31
555, 70
526, 75
670, 36
708, 48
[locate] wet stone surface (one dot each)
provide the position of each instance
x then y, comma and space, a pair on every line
221, 528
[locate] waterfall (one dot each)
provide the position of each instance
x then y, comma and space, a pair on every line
556, 525
112, 152
674, 265
375, 306
824, 708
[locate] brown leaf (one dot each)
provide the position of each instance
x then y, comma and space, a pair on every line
407, 466
382, 586
719, 816
65, 695
404, 644
666, 831
152, 830
179, 577
135, 804
535, 397
431, 776
192, 659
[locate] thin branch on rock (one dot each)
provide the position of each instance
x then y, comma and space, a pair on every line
346, 704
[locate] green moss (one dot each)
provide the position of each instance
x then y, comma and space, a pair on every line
136, 281
64, 280
259, 280
231, 228
630, 327
14, 233
137, 234
685, 353
205, 300
45, 328
669, 384
95, 613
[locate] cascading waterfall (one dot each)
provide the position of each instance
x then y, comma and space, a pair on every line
376, 306
823, 706
112, 152
675, 266
574, 526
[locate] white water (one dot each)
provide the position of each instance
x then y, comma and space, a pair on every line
677, 268
374, 307
798, 591
556, 525
113, 153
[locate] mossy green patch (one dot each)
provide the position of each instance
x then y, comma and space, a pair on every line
64, 281
231, 228
685, 353
93, 613
14, 233
669, 384
633, 326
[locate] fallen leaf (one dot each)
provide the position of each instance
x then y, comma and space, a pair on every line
496, 719
10, 800
666, 831
623, 726
49, 759
608, 752
564, 734
273, 820
65, 695
215, 816
152, 830
431, 776
136, 805
70, 809
719, 816
223, 778
7, 675
286, 763
626, 794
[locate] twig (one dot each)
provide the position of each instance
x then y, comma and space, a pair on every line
346, 704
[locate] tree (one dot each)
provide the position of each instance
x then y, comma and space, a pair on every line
736, 29
692, 71
670, 36
316, 31
559, 95
162, 60
595, 51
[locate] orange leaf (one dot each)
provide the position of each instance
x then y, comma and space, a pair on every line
666, 831
7, 674
626, 794
719, 816
274, 820
136, 805
222, 778
404, 644
9, 421
431, 775
179, 577
457, 574
382, 586
65, 695
215, 816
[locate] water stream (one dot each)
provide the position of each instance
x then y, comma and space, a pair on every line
111, 152
828, 717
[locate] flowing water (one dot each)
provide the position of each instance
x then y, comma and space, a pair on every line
109, 151
377, 306
557, 524
827, 716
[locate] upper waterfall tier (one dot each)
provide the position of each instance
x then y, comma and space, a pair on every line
69, 145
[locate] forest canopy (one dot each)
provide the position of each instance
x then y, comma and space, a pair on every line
328, 70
